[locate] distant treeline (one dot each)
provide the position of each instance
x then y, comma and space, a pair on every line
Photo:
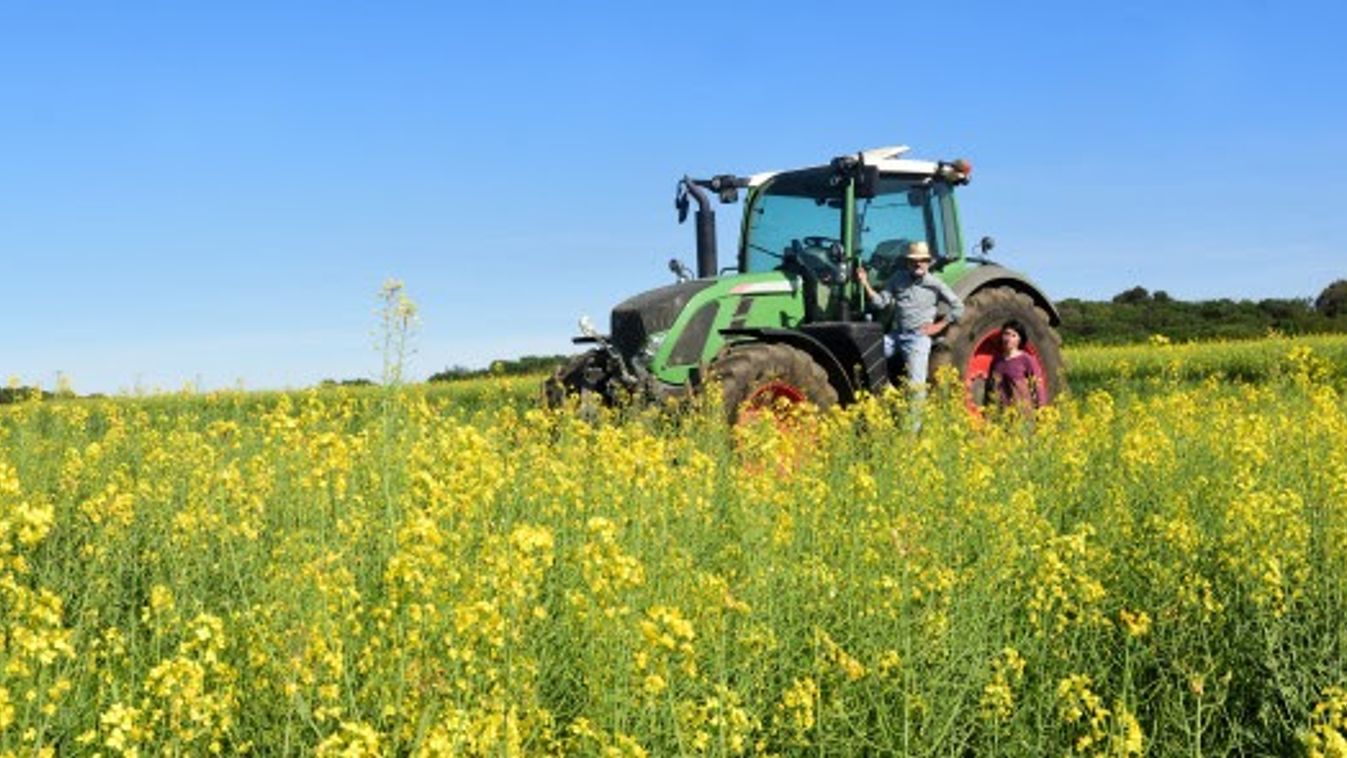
19, 394
22, 393
1136, 314
529, 364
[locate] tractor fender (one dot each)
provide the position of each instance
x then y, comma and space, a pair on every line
992, 275
837, 375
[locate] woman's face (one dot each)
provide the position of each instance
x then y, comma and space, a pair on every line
1010, 340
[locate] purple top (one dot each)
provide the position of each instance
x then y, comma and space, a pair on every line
1010, 376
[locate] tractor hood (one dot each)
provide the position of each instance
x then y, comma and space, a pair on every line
636, 318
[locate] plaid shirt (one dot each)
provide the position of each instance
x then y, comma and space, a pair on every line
915, 300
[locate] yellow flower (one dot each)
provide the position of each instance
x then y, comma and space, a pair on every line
654, 684
1135, 624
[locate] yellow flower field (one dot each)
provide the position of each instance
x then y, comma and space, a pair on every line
1156, 565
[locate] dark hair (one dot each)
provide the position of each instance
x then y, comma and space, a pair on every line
1018, 328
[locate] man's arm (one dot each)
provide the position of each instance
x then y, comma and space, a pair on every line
943, 292
955, 304
879, 299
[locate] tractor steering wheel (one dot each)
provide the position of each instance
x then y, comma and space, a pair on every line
823, 242
819, 257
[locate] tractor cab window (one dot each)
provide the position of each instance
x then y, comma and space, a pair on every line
902, 211
792, 207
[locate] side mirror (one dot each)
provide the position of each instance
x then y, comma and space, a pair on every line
985, 245
726, 186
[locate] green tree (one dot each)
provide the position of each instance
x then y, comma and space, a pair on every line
1332, 302
1137, 294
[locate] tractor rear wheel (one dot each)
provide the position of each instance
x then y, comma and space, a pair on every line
972, 343
765, 378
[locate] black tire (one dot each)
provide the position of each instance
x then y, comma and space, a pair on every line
749, 372
984, 314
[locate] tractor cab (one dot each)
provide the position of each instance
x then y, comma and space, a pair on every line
820, 222
866, 205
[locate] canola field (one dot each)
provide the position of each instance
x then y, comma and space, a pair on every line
1157, 565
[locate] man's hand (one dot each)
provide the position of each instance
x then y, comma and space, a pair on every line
862, 277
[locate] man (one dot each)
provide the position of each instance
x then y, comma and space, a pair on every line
914, 293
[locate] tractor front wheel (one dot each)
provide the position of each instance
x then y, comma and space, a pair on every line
972, 343
762, 378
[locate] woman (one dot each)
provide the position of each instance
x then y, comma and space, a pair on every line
1014, 372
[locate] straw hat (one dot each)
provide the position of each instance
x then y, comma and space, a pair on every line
918, 251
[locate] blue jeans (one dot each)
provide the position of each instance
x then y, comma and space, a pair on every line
915, 349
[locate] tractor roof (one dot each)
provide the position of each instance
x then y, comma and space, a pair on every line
890, 160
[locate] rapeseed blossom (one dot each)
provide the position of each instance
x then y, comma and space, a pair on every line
1327, 735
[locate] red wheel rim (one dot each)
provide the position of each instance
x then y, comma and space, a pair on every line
778, 402
772, 395
979, 367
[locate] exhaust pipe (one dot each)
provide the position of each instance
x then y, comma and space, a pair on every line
726, 187
707, 257
708, 261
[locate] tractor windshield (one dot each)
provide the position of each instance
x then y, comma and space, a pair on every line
902, 211
790, 207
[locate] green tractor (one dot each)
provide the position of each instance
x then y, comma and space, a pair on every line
789, 322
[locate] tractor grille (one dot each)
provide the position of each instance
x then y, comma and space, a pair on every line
628, 332
635, 319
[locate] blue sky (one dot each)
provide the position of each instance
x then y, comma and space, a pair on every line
214, 193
